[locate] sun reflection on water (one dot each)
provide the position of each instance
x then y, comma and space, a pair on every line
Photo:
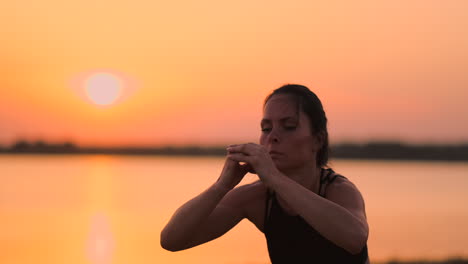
100, 241
100, 244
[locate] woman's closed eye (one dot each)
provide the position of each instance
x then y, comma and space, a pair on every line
290, 128
287, 128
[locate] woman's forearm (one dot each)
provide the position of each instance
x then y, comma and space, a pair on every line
186, 220
331, 220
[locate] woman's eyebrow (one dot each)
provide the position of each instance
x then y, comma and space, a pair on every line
264, 120
290, 118
284, 119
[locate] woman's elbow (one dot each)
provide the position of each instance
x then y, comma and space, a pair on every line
359, 241
167, 246
166, 242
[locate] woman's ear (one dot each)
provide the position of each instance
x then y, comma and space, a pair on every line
319, 139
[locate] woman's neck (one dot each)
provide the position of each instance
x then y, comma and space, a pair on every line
307, 176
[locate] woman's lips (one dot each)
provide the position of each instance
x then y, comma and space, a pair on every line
275, 153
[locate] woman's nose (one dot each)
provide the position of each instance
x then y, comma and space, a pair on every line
273, 137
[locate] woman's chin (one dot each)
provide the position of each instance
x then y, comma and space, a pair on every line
280, 165
285, 167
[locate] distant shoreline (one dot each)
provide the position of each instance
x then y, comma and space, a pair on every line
366, 151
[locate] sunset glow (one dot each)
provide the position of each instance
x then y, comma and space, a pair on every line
384, 70
103, 88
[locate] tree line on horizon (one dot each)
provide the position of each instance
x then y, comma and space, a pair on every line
370, 150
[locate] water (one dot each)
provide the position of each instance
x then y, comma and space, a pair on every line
110, 209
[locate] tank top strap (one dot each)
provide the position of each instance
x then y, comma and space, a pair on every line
327, 177
268, 201
324, 179
336, 176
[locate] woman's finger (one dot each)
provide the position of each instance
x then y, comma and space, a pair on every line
239, 157
247, 149
248, 168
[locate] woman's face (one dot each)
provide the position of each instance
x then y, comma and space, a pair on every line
287, 135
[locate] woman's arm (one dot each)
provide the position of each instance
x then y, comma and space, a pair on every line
210, 214
185, 228
341, 218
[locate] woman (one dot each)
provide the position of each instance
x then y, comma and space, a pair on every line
308, 214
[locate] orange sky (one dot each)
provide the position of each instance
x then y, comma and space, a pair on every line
199, 70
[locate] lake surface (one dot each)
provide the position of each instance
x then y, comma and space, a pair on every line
99, 209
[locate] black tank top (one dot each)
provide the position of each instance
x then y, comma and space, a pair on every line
291, 240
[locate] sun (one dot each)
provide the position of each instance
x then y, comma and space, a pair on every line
103, 88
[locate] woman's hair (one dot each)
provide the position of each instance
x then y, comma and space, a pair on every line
310, 104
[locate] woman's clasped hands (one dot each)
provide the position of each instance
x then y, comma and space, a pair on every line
256, 158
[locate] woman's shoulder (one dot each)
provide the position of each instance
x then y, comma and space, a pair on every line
252, 190
335, 181
339, 186
346, 194
245, 197
339, 179
330, 175
253, 196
